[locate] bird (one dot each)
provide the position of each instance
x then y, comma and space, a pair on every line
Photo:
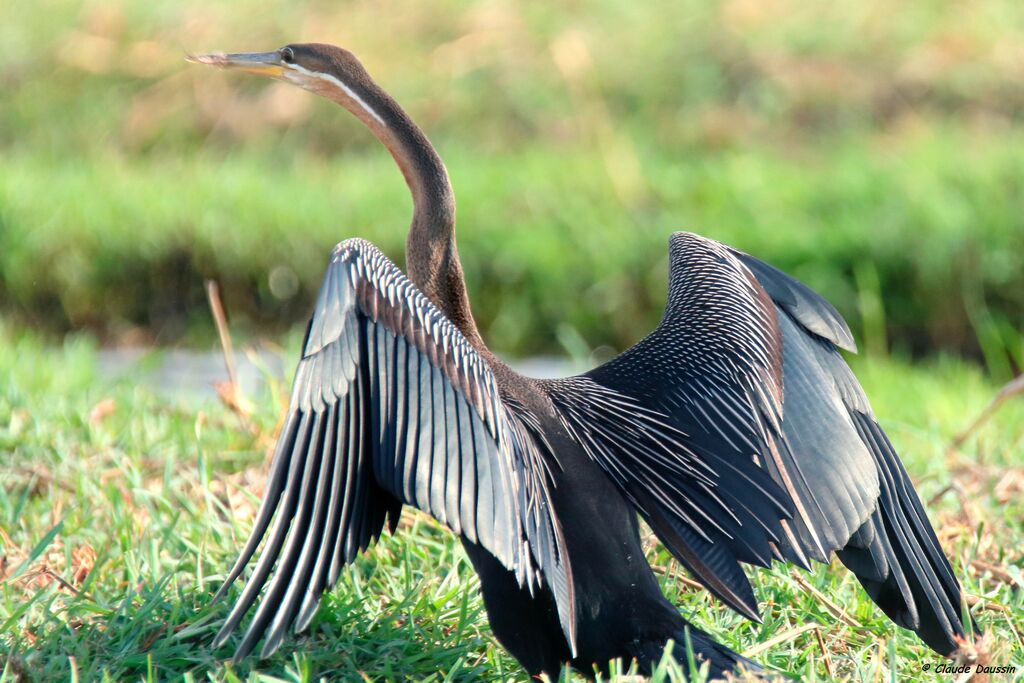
735, 430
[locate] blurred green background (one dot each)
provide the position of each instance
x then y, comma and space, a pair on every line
876, 154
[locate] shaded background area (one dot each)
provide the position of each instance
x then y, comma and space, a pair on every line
877, 156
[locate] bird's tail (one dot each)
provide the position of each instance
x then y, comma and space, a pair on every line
720, 659
896, 556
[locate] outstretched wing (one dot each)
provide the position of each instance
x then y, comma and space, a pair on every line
712, 372
856, 497
745, 369
390, 405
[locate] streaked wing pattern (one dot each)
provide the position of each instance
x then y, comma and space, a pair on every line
711, 371
390, 405
745, 371
854, 490
814, 313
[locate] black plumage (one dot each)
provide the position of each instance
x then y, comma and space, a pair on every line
390, 406
735, 429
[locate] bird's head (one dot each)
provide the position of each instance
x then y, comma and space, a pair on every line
326, 70
336, 74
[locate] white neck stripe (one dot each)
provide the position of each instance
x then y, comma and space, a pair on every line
347, 90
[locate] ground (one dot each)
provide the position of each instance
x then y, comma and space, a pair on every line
121, 508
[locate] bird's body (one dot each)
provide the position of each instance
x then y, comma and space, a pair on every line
619, 604
620, 609
735, 430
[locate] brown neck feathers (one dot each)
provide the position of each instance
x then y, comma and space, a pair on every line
431, 257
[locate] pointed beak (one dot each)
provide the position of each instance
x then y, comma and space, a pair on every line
266, 63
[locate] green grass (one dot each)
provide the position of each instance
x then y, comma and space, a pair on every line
129, 244
863, 152
120, 511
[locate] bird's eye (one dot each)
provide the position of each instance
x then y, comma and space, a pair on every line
287, 56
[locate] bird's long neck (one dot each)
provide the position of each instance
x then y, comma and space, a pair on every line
431, 256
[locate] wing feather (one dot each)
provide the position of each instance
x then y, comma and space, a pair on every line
745, 374
708, 387
855, 494
390, 405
